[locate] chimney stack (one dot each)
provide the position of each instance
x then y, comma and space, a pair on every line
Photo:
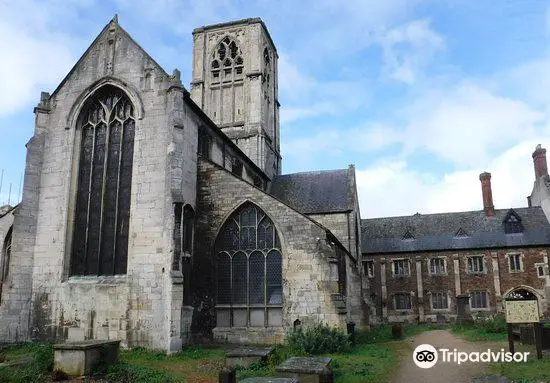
539, 161
488, 206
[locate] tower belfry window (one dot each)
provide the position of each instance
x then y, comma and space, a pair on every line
230, 56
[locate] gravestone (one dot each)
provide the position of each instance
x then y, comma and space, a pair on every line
307, 369
227, 375
268, 379
440, 319
463, 309
397, 331
245, 356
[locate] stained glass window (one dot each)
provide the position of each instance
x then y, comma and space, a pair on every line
249, 270
102, 212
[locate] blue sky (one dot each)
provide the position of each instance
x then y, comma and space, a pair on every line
420, 95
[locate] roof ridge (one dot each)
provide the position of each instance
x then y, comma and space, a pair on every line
314, 172
452, 212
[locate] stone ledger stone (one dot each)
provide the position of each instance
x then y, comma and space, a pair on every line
306, 369
244, 357
268, 379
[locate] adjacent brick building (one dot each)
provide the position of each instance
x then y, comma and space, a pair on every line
417, 265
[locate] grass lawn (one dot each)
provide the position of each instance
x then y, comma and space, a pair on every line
365, 363
475, 334
373, 360
532, 371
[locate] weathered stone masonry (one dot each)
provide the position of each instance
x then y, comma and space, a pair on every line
307, 286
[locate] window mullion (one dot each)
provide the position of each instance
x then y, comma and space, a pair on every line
247, 289
93, 128
231, 321
180, 239
103, 188
117, 193
265, 291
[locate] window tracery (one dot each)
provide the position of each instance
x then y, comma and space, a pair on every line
249, 270
227, 62
102, 210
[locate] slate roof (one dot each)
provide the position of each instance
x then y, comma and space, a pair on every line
447, 231
6, 209
313, 192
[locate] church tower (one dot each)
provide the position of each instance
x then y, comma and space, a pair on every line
235, 83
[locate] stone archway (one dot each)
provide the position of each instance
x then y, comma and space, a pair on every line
524, 292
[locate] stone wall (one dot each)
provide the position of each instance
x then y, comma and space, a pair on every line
246, 109
144, 306
497, 280
308, 285
346, 227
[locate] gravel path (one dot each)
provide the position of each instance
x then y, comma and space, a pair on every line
443, 372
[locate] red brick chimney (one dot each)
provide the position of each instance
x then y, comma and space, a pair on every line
488, 206
539, 161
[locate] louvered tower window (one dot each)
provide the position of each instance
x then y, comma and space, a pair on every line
227, 62
102, 212
249, 271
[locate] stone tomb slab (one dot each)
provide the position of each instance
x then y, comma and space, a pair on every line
306, 369
82, 358
245, 356
267, 379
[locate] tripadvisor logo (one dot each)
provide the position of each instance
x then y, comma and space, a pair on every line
426, 356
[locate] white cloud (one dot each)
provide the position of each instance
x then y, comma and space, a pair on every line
468, 124
35, 54
391, 188
408, 48
464, 124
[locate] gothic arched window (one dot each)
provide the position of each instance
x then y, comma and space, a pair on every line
6, 255
227, 62
249, 271
106, 126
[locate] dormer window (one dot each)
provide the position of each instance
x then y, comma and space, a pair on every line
408, 236
512, 223
461, 233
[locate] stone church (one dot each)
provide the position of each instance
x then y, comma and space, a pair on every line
151, 214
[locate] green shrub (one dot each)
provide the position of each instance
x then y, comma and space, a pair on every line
319, 339
493, 324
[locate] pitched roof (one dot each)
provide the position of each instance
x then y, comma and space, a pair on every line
6, 209
114, 24
314, 192
445, 231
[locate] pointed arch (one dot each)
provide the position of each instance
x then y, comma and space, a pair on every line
91, 90
529, 289
104, 150
6, 255
226, 60
248, 269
